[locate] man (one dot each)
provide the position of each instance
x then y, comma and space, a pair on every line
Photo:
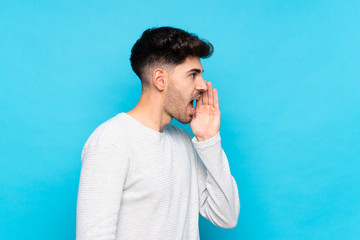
143, 178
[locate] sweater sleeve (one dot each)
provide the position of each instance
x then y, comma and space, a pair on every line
102, 177
218, 192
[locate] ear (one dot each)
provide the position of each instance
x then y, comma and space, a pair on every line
159, 78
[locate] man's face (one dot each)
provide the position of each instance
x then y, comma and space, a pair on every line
185, 85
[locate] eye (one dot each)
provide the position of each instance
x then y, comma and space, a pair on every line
193, 75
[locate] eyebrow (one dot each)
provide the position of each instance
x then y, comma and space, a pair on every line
195, 70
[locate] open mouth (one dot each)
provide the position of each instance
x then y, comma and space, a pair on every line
191, 104
192, 108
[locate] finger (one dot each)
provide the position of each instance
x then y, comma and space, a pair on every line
206, 97
210, 94
216, 98
200, 101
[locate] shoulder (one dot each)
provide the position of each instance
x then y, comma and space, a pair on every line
110, 132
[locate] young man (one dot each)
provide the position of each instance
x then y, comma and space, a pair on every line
143, 178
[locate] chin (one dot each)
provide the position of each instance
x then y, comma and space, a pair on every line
184, 119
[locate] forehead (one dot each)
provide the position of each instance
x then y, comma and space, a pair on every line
189, 64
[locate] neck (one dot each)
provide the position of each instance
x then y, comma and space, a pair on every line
150, 111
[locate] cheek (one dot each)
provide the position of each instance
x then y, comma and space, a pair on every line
186, 85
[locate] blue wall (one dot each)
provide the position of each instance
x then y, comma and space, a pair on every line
288, 76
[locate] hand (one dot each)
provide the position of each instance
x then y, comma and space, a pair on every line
206, 122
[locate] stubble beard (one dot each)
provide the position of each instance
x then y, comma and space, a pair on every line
176, 106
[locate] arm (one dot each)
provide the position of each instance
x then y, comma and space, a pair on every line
102, 177
218, 192
219, 199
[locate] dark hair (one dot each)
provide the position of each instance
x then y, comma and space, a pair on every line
166, 46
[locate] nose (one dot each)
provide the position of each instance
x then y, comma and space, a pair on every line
201, 85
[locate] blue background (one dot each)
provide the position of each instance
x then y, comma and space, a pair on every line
288, 76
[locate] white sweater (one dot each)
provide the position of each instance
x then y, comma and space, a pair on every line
137, 183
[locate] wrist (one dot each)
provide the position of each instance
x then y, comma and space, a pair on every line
204, 138
201, 139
